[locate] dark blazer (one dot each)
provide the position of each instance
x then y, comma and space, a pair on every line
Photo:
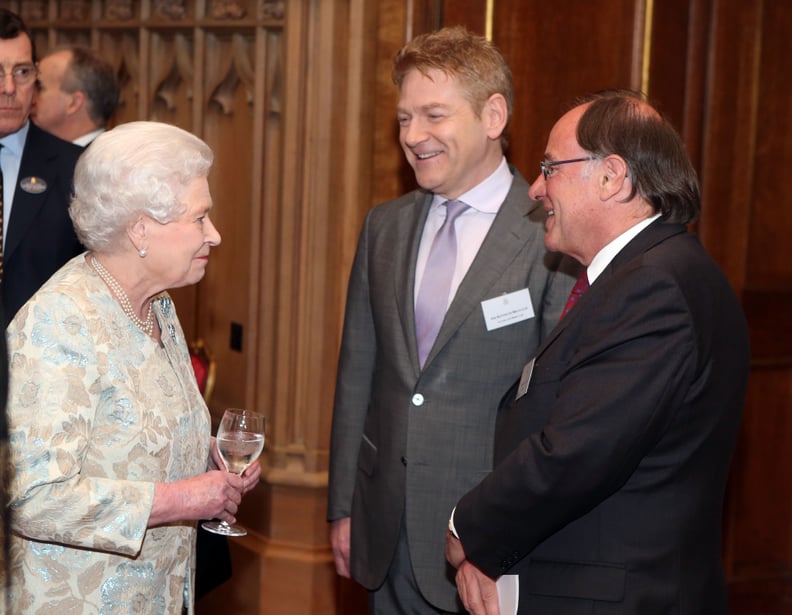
610, 471
40, 237
409, 442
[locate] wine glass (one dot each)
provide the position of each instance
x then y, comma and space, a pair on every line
240, 440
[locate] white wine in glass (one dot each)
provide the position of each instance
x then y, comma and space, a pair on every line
240, 440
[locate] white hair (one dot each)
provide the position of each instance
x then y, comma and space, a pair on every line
135, 168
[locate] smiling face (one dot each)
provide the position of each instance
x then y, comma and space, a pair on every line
15, 100
178, 251
570, 195
450, 148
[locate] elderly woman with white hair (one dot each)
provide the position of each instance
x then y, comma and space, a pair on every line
111, 445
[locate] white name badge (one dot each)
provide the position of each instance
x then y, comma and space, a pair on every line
507, 309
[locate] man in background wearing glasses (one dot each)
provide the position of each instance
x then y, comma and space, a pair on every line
37, 170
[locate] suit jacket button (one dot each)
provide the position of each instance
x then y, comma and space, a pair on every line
404, 460
417, 399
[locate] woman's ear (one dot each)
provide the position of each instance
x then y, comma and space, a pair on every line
136, 231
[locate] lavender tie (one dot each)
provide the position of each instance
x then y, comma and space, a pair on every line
430, 308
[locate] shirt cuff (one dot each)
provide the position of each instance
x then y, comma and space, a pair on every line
451, 527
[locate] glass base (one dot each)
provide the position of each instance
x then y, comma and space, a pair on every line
222, 528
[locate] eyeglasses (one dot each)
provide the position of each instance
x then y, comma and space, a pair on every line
547, 165
21, 74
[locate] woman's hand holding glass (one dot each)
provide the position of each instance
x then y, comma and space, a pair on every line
250, 477
213, 494
239, 442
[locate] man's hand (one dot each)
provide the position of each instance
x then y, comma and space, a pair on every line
340, 530
455, 552
479, 593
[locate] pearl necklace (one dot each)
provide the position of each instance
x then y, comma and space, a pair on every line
147, 326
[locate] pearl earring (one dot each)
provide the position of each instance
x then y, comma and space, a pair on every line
142, 252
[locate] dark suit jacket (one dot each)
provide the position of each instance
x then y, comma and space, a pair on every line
407, 441
608, 490
40, 237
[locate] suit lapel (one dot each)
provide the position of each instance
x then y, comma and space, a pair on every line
655, 233
26, 205
409, 224
509, 232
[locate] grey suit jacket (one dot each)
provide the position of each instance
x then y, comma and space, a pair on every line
408, 442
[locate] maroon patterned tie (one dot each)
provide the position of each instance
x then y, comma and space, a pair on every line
580, 287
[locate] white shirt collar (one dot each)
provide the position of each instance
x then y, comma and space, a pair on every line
488, 196
609, 252
88, 137
15, 142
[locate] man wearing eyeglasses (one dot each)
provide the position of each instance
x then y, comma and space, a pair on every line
613, 449
37, 170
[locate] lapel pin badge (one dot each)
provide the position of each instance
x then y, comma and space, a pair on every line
33, 185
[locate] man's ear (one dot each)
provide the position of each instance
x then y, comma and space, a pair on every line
613, 176
495, 115
77, 101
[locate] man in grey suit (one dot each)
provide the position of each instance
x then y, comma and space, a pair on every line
414, 415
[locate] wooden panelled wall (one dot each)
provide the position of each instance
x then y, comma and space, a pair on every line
295, 98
